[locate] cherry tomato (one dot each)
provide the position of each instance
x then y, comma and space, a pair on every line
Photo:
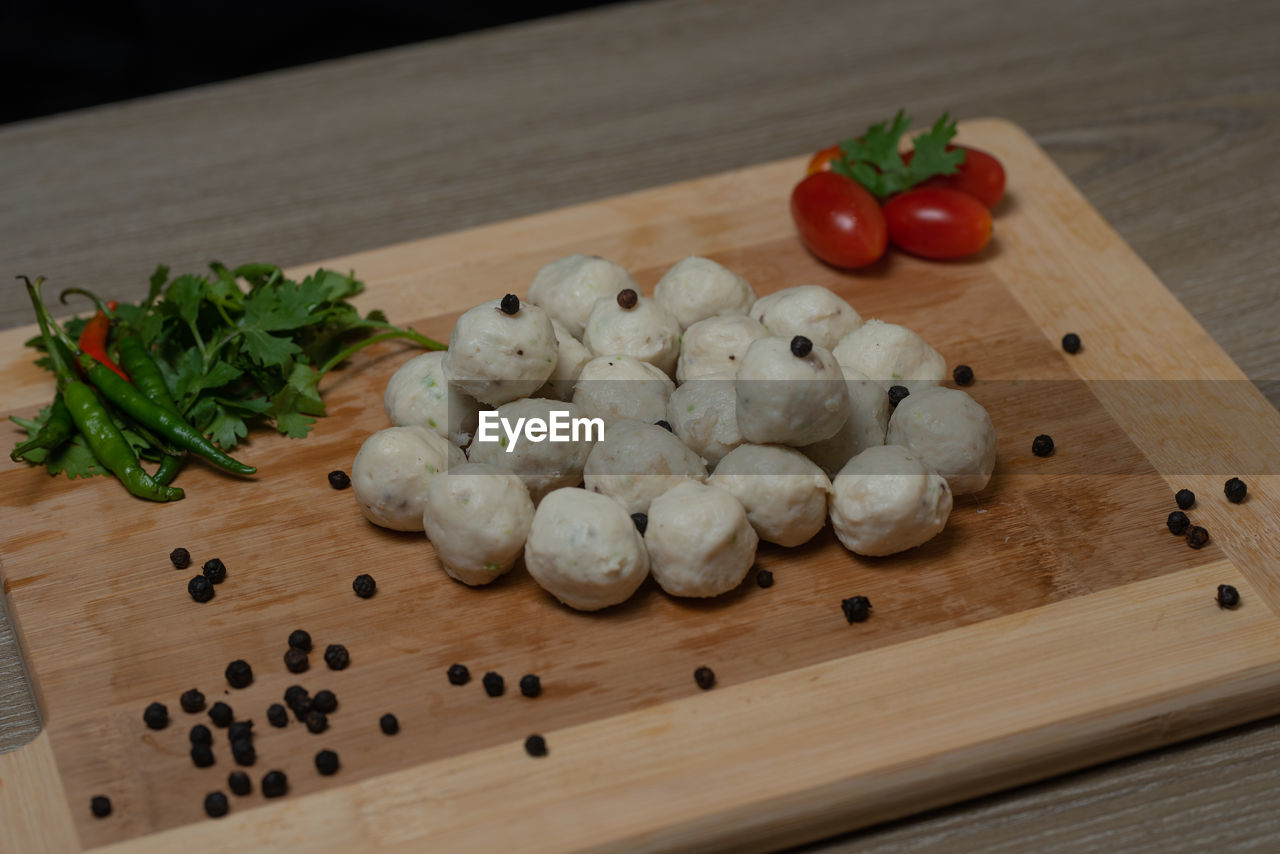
838, 220
934, 222
821, 162
980, 176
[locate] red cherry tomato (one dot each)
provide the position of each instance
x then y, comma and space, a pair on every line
821, 162
934, 222
980, 176
838, 220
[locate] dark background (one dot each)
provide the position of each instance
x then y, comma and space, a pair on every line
57, 56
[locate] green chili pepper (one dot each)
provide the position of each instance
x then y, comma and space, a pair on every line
58, 428
141, 368
169, 466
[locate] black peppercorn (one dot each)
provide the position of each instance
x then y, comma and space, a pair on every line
1184, 499
191, 701
339, 479
1042, 445
221, 715
299, 639
200, 735
240, 731
215, 804
1071, 342
100, 806
336, 656
664, 424
897, 394
535, 745
293, 694
459, 674
296, 661
801, 346
277, 716
327, 763
1228, 596
156, 716
202, 755
200, 589
963, 375
705, 677
641, 521
324, 701
180, 558
301, 708
364, 585
274, 784
389, 724
242, 751
1178, 523
510, 304
239, 674
856, 609
1197, 537
530, 685
317, 722
1235, 490
627, 299
239, 783
764, 578
215, 570
494, 685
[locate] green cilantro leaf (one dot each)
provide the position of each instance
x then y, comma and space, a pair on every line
268, 350
874, 162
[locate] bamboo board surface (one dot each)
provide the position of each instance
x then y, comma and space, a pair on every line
1053, 624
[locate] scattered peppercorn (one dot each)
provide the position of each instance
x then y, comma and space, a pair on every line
339, 479
1071, 342
627, 299
301, 708
1197, 537
530, 685
459, 674
1042, 445
215, 570
389, 724
494, 685
191, 701
1235, 490
535, 745
897, 394
293, 694
364, 585
324, 701
180, 558
100, 806
664, 424
215, 804
243, 752
274, 784
239, 674
240, 731
200, 734
764, 578
221, 715
1228, 596
510, 304
200, 589
296, 661
1178, 523
202, 755
963, 375
801, 346
856, 609
336, 656
641, 521
239, 783
277, 716
300, 639
705, 677
1184, 499
327, 763
317, 721
156, 716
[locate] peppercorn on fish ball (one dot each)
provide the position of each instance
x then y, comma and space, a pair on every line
886, 500
392, 471
891, 355
645, 331
477, 518
637, 462
809, 310
715, 345
697, 288
568, 287
544, 465
950, 433
703, 414
620, 387
584, 549
496, 356
700, 541
868, 419
783, 492
419, 393
571, 356
785, 399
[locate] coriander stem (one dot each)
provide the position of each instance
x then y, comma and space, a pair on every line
421, 340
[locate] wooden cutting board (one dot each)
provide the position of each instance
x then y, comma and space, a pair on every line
1054, 624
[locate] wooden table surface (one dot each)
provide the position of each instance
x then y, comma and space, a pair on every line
1166, 115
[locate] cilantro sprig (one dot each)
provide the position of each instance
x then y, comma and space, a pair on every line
874, 162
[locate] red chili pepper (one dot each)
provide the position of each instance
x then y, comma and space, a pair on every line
93, 339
